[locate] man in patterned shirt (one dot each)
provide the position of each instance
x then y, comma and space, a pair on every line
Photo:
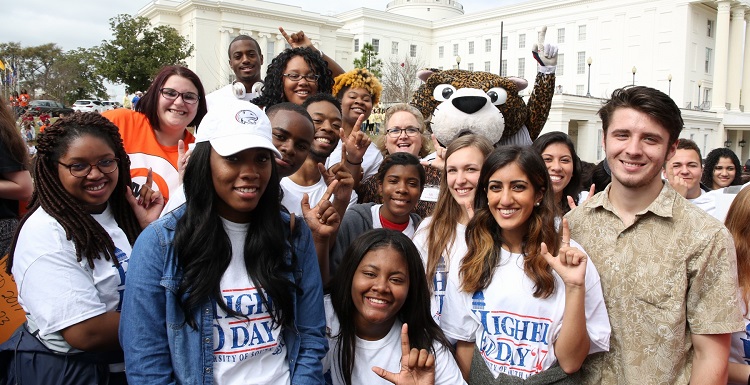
668, 269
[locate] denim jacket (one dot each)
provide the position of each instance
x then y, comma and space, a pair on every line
160, 348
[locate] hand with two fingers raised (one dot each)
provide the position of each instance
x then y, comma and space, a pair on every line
149, 203
570, 262
417, 365
572, 203
322, 219
439, 161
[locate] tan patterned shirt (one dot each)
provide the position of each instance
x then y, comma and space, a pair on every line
670, 274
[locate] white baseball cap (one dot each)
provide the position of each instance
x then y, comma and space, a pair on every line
235, 126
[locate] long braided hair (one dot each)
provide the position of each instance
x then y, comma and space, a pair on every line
89, 237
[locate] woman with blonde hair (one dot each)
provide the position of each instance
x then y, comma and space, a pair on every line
404, 132
440, 238
736, 222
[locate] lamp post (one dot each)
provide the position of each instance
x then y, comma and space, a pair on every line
588, 90
728, 143
670, 84
742, 143
458, 62
700, 84
633, 70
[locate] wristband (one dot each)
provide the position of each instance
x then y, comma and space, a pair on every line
355, 164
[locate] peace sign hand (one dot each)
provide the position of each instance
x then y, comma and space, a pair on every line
417, 366
439, 161
322, 219
355, 145
570, 262
544, 53
148, 205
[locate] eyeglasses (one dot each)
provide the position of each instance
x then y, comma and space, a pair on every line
297, 77
82, 170
172, 94
396, 132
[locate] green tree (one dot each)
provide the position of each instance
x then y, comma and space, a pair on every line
138, 51
74, 76
32, 64
369, 60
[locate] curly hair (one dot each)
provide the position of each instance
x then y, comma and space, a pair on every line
357, 78
89, 237
712, 159
484, 236
273, 85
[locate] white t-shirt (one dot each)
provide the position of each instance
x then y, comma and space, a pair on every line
739, 352
245, 351
376, 224
370, 162
455, 254
293, 194
56, 290
224, 95
705, 202
723, 198
384, 353
515, 331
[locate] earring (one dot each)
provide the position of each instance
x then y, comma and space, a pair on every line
537, 204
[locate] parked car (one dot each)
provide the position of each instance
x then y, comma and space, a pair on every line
89, 105
111, 104
37, 107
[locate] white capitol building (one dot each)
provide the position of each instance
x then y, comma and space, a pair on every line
692, 50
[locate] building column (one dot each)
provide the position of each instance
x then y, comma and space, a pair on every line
721, 54
263, 44
588, 140
280, 43
736, 34
745, 101
224, 73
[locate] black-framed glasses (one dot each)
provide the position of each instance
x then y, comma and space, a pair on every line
297, 77
172, 94
396, 132
82, 170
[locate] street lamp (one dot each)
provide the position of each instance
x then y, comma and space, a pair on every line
700, 84
670, 84
742, 143
458, 62
633, 70
728, 143
588, 90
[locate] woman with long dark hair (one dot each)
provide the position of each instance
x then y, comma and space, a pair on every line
563, 166
379, 300
294, 75
527, 302
71, 254
226, 288
15, 179
722, 168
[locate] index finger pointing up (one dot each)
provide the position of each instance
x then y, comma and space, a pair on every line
405, 346
565, 233
541, 37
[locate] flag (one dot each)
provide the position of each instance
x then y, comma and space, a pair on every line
2, 66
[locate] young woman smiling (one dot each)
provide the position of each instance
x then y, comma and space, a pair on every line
563, 166
510, 276
174, 101
721, 169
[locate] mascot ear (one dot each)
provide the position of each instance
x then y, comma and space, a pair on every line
423, 74
521, 83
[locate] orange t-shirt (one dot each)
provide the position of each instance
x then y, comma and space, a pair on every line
24, 100
13, 101
145, 151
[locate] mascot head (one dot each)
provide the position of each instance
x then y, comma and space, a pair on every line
457, 102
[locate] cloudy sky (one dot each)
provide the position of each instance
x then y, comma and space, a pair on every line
85, 23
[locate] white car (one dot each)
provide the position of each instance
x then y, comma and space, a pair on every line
88, 105
111, 104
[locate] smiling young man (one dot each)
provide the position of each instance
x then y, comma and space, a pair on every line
245, 59
668, 270
683, 171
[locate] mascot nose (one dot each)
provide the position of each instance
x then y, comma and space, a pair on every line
469, 104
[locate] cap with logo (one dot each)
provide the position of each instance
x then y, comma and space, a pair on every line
236, 126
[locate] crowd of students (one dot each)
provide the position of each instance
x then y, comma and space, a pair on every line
280, 245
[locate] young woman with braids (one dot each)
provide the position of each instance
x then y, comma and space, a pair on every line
293, 75
15, 179
527, 302
226, 288
70, 256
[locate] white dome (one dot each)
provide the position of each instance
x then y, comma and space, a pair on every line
426, 9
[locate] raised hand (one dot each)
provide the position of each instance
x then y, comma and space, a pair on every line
297, 39
439, 161
355, 145
544, 53
148, 205
677, 182
572, 203
322, 219
417, 366
183, 155
570, 262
